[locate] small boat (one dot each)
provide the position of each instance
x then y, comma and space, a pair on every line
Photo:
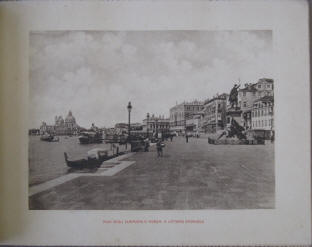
81, 163
47, 137
95, 158
88, 137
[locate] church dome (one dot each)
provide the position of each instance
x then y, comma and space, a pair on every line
70, 118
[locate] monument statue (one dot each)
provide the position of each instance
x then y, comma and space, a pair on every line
234, 96
234, 130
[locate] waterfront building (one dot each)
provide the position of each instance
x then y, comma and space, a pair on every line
33, 132
194, 124
124, 126
214, 111
121, 126
155, 124
61, 126
94, 128
70, 121
182, 112
59, 121
67, 126
246, 98
265, 87
45, 128
263, 114
249, 94
136, 126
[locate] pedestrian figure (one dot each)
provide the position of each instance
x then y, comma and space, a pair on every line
146, 145
186, 136
159, 146
171, 137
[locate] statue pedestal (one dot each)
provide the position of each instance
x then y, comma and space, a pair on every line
234, 113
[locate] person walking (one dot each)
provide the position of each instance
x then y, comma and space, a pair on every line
159, 146
146, 145
186, 137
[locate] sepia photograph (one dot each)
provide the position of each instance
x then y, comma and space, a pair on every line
151, 120
155, 123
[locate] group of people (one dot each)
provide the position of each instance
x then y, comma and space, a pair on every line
160, 142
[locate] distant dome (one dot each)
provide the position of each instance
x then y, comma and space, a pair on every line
70, 118
59, 120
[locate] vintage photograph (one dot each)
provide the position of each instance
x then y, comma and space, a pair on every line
151, 120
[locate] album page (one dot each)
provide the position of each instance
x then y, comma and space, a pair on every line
155, 123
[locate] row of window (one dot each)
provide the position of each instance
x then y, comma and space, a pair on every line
262, 112
177, 115
193, 108
212, 117
268, 86
178, 123
263, 104
180, 115
258, 93
262, 123
159, 126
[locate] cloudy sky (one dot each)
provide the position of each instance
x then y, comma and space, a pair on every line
96, 73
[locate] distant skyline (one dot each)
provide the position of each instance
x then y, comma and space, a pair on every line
96, 73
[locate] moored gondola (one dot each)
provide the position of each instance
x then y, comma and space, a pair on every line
81, 163
49, 138
95, 158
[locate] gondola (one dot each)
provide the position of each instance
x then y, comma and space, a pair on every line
49, 138
95, 158
82, 163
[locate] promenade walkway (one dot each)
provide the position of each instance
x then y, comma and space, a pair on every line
193, 175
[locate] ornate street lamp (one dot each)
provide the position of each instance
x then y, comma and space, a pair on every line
147, 118
129, 107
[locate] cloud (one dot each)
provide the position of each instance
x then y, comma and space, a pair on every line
96, 73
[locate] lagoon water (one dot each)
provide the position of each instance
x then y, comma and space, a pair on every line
46, 159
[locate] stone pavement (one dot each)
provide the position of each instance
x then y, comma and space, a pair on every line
193, 175
108, 168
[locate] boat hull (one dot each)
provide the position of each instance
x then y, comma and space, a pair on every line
47, 138
88, 140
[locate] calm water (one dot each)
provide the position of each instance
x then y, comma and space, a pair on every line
46, 159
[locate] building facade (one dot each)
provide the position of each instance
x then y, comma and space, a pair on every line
214, 111
122, 128
61, 126
194, 124
45, 128
155, 124
246, 98
263, 114
182, 112
34, 132
249, 94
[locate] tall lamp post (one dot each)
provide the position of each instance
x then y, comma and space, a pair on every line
129, 107
156, 122
147, 119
